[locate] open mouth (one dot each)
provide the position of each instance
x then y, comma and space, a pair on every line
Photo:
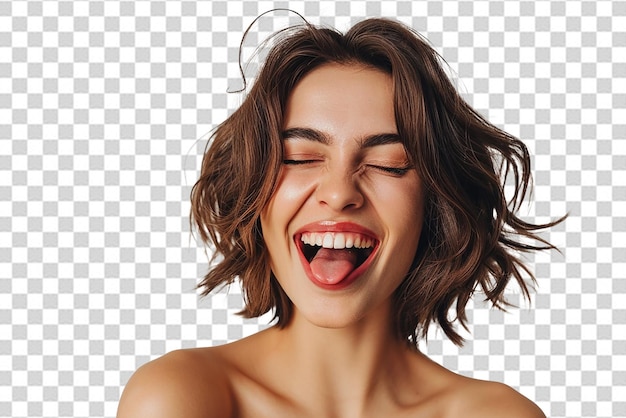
361, 246
333, 257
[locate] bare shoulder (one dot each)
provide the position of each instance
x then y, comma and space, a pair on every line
184, 383
494, 400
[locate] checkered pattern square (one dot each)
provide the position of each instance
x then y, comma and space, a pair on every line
105, 107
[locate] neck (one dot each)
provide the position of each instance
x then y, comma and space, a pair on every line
346, 366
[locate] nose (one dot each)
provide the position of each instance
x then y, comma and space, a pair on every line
339, 191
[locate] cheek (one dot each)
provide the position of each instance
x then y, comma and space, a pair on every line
413, 216
290, 193
403, 202
293, 185
289, 196
403, 211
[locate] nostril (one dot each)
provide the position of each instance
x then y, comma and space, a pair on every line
340, 194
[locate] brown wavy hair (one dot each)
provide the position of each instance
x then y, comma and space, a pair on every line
471, 234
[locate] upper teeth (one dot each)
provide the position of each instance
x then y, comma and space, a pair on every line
337, 240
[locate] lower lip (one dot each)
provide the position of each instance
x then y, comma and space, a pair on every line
352, 277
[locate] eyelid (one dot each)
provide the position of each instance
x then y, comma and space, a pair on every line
301, 158
290, 161
399, 171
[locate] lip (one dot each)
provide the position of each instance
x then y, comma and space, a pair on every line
332, 226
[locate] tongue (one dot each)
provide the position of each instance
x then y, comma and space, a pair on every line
332, 266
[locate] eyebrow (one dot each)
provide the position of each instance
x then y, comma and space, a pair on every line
367, 141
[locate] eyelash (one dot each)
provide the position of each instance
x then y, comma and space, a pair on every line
298, 162
398, 171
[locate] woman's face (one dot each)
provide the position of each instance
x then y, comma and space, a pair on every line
343, 225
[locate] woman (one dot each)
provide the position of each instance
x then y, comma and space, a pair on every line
357, 195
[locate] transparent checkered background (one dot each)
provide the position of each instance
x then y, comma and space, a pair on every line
105, 107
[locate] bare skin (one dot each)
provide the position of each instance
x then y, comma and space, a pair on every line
337, 357
274, 374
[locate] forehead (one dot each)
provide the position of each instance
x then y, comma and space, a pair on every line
336, 96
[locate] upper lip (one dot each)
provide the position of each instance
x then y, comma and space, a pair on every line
336, 226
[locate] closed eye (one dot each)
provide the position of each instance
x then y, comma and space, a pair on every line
397, 171
298, 162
